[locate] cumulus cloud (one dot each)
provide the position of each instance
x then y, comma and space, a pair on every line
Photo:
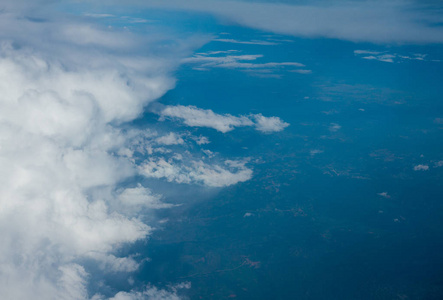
269, 124
66, 85
139, 197
197, 172
170, 139
197, 117
111, 263
201, 140
153, 293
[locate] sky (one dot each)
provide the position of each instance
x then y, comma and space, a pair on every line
220, 149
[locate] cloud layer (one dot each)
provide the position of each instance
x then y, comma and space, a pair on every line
399, 21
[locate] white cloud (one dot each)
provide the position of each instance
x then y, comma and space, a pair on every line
384, 195
315, 151
170, 139
383, 58
201, 140
366, 52
197, 172
376, 21
98, 15
416, 56
205, 61
218, 52
197, 117
153, 293
269, 124
388, 57
111, 263
301, 71
65, 86
421, 168
140, 196
334, 127
209, 153
73, 279
254, 42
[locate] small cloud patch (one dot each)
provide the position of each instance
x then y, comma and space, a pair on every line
197, 117
334, 127
384, 195
421, 168
388, 57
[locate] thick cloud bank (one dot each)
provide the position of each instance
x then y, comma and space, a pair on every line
64, 88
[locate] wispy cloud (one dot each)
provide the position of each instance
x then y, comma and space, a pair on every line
388, 57
301, 71
218, 52
366, 52
245, 62
98, 15
253, 42
315, 151
384, 58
